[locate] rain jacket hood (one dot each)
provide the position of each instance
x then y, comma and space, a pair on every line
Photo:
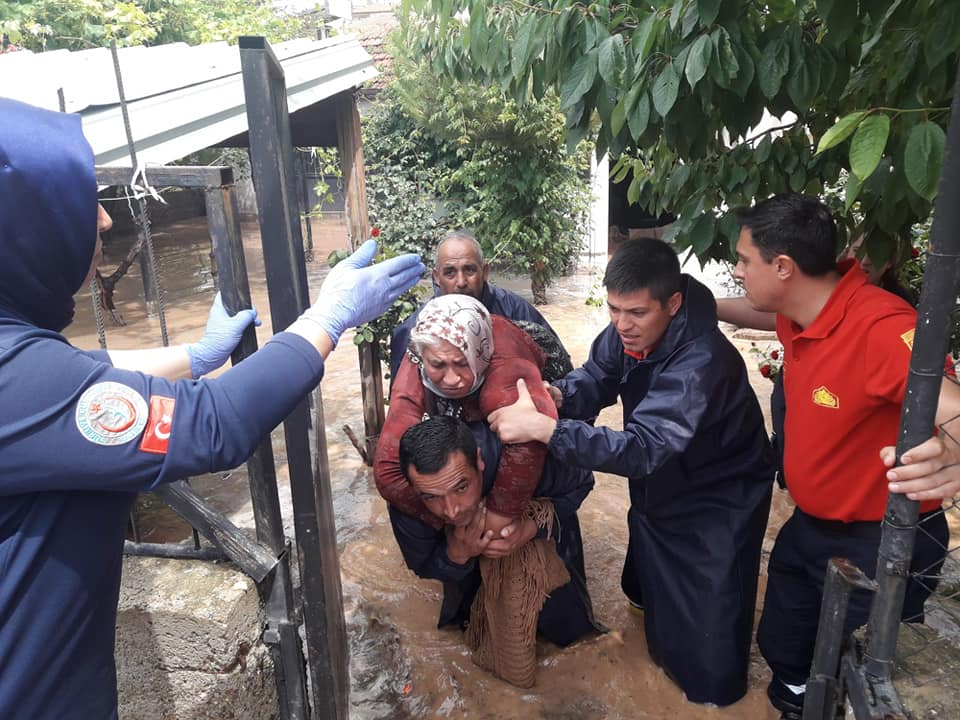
48, 214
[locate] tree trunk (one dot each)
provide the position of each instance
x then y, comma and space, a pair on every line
538, 283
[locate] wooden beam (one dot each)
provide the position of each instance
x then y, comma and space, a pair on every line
358, 230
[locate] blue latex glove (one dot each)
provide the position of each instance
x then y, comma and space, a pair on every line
222, 335
356, 292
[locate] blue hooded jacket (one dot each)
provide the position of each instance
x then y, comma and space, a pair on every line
72, 426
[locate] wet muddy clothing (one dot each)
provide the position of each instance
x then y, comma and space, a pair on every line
700, 473
515, 356
79, 438
845, 378
497, 300
567, 615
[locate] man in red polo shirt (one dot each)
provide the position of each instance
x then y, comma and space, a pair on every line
847, 350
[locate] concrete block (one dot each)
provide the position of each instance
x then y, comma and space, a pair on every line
188, 643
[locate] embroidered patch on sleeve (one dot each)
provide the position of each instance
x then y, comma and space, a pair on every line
907, 338
157, 437
109, 413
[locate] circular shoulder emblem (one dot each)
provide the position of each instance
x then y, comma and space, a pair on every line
110, 413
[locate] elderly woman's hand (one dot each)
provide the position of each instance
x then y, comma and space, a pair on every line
518, 533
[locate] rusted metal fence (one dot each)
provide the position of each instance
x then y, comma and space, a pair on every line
876, 672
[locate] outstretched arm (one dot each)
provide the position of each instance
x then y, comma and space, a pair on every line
738, 311
177, 362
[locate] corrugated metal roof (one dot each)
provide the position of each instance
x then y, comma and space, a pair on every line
181, 99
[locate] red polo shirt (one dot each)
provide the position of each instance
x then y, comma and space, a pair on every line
845, 377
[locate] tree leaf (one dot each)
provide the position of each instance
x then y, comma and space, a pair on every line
840, 131
618, 117
726, 56
868, 144
761, 153
612, 60
643, 38
675, 14
840, 18
703, 233
783, 10
575, 135
539, 70
638, 119
698, 60
923, 158
689, 22
621, 168
774, 63
942, 34
708, 9
745, 71
580, 79
522, 46
804, 80
635, 187
665, 89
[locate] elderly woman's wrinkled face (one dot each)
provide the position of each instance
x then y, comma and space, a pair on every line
447, 368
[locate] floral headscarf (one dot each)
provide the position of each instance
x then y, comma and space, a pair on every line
463, 322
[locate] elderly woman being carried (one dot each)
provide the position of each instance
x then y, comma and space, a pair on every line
464, 363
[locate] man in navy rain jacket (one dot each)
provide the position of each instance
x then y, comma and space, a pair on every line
697, 457
459, 268
567, 613
82, 432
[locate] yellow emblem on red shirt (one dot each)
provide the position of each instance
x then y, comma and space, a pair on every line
907, 338
825, 398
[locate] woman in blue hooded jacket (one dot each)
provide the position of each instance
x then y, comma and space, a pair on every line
82, 432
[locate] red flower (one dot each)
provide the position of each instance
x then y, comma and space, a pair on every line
914, 252
774, 354
375, 232
765, 370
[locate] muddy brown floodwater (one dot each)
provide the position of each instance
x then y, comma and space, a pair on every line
401, 665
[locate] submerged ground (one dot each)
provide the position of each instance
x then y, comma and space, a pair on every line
401, 665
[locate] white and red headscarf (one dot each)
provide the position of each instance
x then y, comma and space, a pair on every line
463, 322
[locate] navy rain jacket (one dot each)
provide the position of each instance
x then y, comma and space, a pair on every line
69, 472
700, 472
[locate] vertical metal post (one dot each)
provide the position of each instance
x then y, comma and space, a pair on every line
271, 154
917, 418
148, 266
305, 207
822, 696
223, 218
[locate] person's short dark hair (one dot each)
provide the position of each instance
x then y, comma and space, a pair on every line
795, 225
427, 446
644, 264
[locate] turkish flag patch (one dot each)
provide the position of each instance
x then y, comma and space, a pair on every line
156, 438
